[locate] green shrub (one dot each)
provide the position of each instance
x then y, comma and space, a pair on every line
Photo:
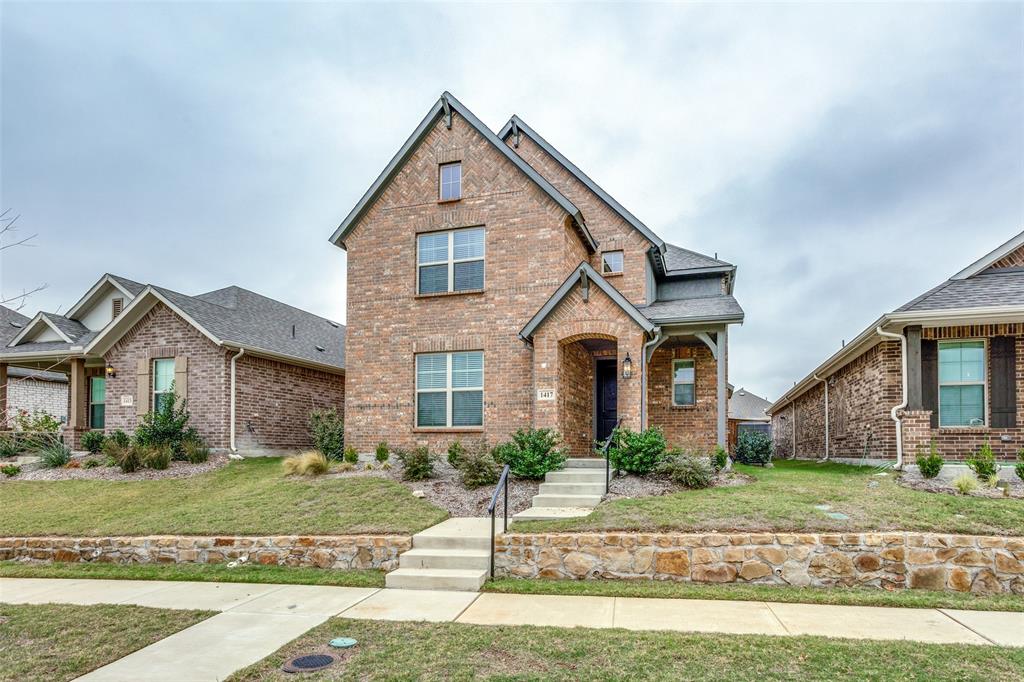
531, 453
155, 456
687, 469
92, 463
118, 437
10, 470
9, 446
125, 457
54, 455
194, 449
719, 458
327, 429
983, 462
350, 455
1019, 466
637, 452
417, 464
478, 467
312, 463
931, 464
165, 426
93, 441
754, 447
965, 483
382, 453
37, 422
455, 453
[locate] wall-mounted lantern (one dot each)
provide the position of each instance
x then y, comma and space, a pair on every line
111, 372
627, 367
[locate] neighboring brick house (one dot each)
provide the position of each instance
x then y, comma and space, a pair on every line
493, 286
126, 346
961, 344
747, 412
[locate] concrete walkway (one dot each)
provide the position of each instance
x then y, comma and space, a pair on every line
256, 620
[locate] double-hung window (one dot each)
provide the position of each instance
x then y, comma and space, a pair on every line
450, 389
683, 378
163, 382
450, 261
961, 383
97, 402
611, 263
450, 181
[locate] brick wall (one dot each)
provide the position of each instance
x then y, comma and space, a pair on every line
576, 398
684, 426
1014, 259
34, 396
274, 400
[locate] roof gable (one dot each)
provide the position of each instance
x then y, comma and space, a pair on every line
443, 109
995, 258
96, 292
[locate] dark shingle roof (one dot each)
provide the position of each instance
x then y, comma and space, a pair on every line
37, 374
985, 290
746, 406
693, 309
678, 258
133, 287
48, 347
11, 324
72, 328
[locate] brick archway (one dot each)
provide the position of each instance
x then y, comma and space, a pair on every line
587, 389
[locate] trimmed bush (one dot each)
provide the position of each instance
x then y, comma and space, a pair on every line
531, 453
382, 453
167, 426
478, 467
417, 464
93, 441
637, 452
931, 464
455, 453
327, 428
687, 470
312, 463
54, 455
754, 447
351, 456
719, 458
10, 470
983, 462
965, 483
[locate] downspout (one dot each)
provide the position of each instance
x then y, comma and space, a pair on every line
231, 445
643, 375
825, 381
903, 402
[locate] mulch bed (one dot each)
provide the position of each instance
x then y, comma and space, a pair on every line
105, 473
628, 486
912, 479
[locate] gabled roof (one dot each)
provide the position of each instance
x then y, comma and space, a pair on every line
11, 324
746, 406
584, 272
679, 261
128, 287
983, 290
991, 257
444, 107
68, 330
517, 125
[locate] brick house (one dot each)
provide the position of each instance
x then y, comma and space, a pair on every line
250, 368
747, 412
959, 344
493, 286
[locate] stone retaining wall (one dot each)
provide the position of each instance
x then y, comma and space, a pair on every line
333, 551
962, 563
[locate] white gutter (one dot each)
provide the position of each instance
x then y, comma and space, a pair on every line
652, 345
825, 381
896, 408
231, 444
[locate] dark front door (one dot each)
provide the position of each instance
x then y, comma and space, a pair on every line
607, 403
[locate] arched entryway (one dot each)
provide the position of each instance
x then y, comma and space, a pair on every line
588, 378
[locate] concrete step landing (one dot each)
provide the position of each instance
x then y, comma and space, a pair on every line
453, 555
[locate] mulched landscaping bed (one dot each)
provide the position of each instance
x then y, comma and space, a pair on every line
105, 473
912, 479
627, 486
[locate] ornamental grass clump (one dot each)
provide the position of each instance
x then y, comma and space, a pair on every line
312, 463
351, 456
417, 464
965, 484
157, 457
195, 450
637, 452
931, 464
54, 455
9, 446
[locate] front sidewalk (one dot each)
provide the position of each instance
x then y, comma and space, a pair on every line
256, 620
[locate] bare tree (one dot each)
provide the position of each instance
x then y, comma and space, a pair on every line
9, 239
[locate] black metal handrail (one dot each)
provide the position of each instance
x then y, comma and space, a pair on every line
607, 461
502, 485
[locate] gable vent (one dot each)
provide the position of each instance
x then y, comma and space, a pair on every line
117, 305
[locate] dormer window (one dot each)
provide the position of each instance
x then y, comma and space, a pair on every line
611, 263
451, 181
116, 306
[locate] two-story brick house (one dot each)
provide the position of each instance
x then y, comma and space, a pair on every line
494, 286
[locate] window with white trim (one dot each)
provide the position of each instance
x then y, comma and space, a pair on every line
450, 389
961, 383
97, 402
450, 261
450, 181
683, 382
163, 382
611, 262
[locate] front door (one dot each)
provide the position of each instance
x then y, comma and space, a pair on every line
606, 406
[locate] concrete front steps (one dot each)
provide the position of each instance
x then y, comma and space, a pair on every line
453, 555
571, 492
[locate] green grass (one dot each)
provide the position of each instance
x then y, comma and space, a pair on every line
210, 573
57, 642
447, 651
783, 499
247, 497
844, 596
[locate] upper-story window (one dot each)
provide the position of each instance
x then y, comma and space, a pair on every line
451, 181
611, 262
683, 381
450, 261
961, 383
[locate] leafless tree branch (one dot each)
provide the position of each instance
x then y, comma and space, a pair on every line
9, 228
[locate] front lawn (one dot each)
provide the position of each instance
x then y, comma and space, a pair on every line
57, 642
784, 498
451, 651
249, 497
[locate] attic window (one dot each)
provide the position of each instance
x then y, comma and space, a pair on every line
611, 262
450, 177
117, 305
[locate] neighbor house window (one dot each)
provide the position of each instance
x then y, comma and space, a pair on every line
451, 181
961, 383
683, 382
97, 402
611, 262
450, 389
450, 261
163, 382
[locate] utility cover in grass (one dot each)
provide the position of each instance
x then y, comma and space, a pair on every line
838, 516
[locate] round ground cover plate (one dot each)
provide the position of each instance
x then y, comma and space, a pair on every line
309, 663
343, 642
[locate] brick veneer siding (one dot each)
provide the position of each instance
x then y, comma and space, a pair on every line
690, 425
955, 563
530, 249
1014, 259
274, 401
34, 395
576, 398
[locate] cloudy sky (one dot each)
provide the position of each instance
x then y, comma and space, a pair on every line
846, 158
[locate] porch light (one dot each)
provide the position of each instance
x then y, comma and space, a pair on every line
111, 372
627, 367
